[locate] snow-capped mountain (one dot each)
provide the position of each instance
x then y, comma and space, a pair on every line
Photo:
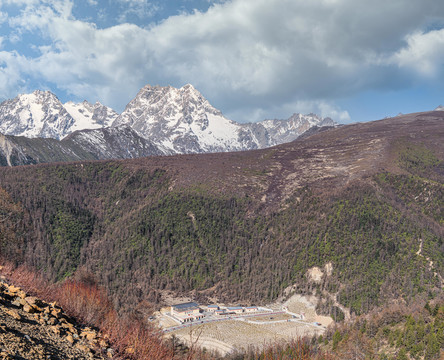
440, 108
158, 121
282, 131
183, 121
41, 114
90, 116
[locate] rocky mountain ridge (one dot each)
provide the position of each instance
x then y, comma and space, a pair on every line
95, 144
158, 121
115, 142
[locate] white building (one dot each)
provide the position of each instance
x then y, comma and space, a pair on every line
186, 312
235, 309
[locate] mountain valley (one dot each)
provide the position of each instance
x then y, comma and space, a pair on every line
352, 215
163, 212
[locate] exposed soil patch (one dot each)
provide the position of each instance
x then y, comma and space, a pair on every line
315, 274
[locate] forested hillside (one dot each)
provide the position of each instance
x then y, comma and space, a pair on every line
367, 198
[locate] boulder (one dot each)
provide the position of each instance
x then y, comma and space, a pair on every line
55, 329
70, 339
14, 314
57, 313
28, 308
52, 321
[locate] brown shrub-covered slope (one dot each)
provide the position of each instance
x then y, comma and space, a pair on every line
367, 198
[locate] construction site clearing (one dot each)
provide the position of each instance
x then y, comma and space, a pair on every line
229, 328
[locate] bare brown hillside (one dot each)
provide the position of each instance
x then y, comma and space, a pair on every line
330, 158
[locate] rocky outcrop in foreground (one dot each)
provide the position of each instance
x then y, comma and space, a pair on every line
34, 329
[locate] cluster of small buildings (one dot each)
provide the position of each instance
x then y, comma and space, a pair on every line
230, 310
189, 312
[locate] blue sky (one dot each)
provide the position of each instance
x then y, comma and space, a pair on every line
353, 60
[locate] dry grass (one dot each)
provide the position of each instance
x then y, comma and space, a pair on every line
86, 302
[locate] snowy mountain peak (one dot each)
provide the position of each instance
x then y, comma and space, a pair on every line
90, 116
37, 97
189, 87
41, 114
286, 130
440, 108
183, 121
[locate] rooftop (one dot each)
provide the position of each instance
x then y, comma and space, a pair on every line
184, 306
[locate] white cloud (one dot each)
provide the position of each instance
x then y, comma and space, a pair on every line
18, 2
251, 58
11, 79
3, 17
141, 8
106, 64
280, 51
333, 111
424, 52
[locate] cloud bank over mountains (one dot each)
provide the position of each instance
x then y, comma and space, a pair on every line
252, 58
